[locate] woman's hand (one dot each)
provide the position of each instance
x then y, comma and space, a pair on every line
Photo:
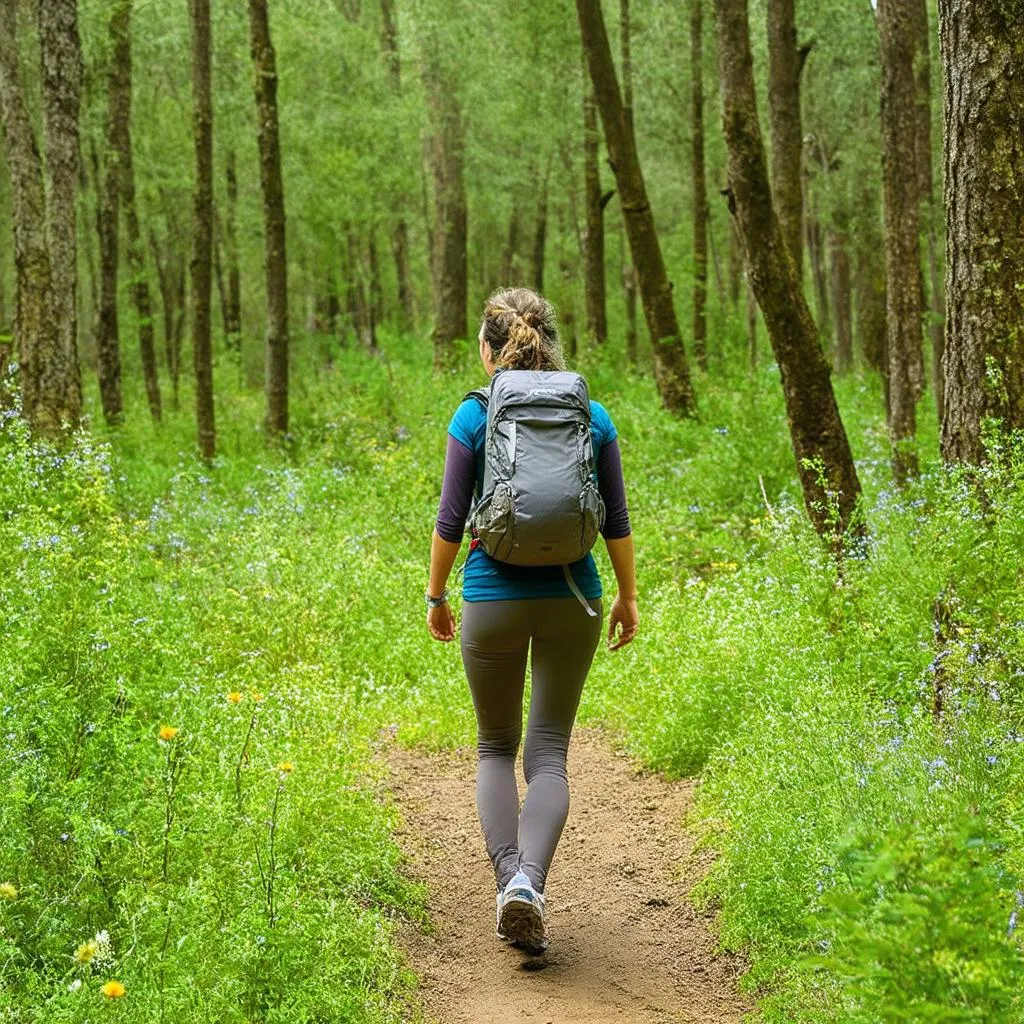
441, 622
623, 622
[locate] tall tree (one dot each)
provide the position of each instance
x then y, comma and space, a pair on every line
120, 138
233, 291
671, 370
61, 67
400, 233
700, 188
785, 64
824, 463
628, 270
446, 160
923, 145
275, 256
983, 52
902, 245
202, 226
42, 355
593, 231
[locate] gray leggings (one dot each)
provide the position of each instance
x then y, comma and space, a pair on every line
496, 636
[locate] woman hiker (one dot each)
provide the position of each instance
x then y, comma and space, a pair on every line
510, 608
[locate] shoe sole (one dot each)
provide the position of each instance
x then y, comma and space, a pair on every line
522, 925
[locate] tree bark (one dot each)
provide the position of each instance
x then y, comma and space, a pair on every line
445, 156
923, 145
735, 264
671, 370
61, 73
121, 100
275, 256
509, 255
593, 231
819, 272
841, 298
202, 226
400, 232
42, 357
902, 245
628, 275
785, 63
983, 52
824, 462
540, 236
700, 189
233, 295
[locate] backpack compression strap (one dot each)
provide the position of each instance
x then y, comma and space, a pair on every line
577, 593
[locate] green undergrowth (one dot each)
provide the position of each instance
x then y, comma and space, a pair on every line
269, 609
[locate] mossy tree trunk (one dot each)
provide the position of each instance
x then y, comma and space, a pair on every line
700, 188
902, 245
201, 263
983, 57
671, 370
275, 258
824, 463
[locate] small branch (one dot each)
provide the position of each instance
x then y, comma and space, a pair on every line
764, 497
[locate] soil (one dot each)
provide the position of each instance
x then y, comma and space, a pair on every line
626, 944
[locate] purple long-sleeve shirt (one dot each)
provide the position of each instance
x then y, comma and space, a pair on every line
460, 482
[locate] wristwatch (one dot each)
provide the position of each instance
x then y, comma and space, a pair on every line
436, 602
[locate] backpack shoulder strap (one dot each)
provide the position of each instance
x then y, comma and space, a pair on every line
482, 395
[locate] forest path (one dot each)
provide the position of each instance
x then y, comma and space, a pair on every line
626, 945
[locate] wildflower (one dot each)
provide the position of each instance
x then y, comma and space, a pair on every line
85, 952
112, 989
167, 733
256, 696
8, 891
75, 985
285, 767
235, 697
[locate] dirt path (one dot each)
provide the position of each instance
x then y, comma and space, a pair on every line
625, 944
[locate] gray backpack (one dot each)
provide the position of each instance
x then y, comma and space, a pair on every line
539, 504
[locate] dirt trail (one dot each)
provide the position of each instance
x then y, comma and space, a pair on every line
625, 944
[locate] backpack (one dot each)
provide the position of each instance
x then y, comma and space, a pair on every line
539, 504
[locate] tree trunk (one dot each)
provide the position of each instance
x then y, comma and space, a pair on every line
902, 246
819, 272
671, 370
923, 145
275, 256
735, 264
700, 189
121, 139
445, 155
376, 291
61, 73
400, 232
42, 357
629, 283
233, 295
593, 232
202, 225
824, 463
785, 63
841, 299
509, 261
751, 324
983, 52
540, 235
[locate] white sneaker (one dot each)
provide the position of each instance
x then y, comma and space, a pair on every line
521, 915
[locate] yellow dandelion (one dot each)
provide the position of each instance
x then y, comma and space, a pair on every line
235, 697
167, 733
112, 989
85, 952
285, 767
256, 695
8, 891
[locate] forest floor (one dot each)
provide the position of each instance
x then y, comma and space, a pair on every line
626, 944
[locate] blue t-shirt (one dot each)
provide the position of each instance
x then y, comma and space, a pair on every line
486, 579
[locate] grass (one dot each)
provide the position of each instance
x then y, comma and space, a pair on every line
269, 609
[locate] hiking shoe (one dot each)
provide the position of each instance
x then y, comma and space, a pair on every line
497, 931
521, 915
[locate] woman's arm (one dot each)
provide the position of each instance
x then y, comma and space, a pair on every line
456, 496
625, 617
